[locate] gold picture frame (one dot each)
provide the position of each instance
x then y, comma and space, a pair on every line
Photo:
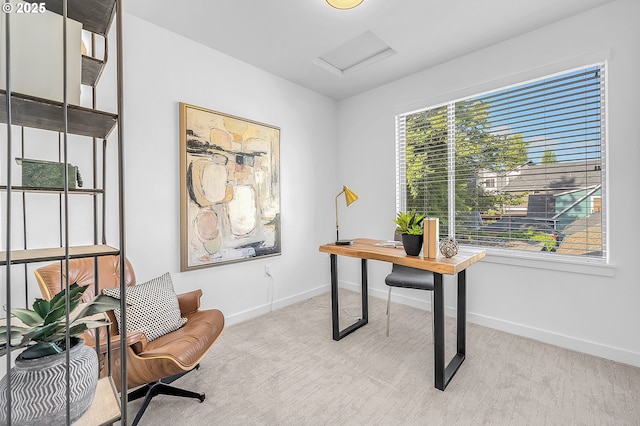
229, 188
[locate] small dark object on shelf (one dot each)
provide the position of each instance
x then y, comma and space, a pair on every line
48, 174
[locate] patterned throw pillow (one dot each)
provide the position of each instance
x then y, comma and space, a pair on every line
153, 309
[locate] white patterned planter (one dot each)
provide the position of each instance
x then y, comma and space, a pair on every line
39, 391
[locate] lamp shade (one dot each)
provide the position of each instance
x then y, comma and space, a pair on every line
344, 4
349, 195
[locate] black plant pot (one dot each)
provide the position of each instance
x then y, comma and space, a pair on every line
412, 244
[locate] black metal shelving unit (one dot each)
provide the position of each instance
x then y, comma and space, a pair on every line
97, 17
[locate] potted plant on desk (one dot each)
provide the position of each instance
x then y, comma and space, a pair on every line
38, 384
409, 225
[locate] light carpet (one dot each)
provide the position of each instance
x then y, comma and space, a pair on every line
284, 368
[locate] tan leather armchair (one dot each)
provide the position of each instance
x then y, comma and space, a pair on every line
151, 366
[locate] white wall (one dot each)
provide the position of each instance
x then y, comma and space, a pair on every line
325, 144
597, 314
162, 69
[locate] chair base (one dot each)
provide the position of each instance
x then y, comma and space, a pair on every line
389, 311
408, 277
161, 387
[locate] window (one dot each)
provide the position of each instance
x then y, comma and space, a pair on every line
520, 168
489, 183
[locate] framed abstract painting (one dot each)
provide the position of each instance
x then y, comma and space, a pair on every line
229, 188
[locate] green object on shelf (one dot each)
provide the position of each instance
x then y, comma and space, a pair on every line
47, 174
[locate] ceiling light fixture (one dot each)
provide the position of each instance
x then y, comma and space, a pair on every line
344, 4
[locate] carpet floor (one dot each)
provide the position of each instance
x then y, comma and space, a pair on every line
284, 368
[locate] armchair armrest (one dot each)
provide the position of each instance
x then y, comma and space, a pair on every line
189, 302
136, 340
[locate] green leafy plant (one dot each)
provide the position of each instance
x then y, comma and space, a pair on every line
44, 329
548, 241
409, 223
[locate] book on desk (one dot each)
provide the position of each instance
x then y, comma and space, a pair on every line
394, 244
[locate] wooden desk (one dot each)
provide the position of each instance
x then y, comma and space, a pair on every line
366, 249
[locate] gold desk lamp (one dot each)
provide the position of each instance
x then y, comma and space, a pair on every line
350, 197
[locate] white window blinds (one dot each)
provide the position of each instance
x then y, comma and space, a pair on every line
520, 168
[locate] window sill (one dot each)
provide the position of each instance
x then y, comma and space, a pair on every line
552, 262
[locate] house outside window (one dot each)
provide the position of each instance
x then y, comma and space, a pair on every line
520, 169
490, 184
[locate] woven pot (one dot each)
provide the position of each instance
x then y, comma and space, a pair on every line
39, 391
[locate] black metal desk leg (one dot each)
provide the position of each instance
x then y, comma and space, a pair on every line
437, 310
444, 375
334, 297
462, 313
335, 319
365, 291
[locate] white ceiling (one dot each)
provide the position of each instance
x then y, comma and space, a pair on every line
286, 37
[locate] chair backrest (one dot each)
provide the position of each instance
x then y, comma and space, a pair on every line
82, 271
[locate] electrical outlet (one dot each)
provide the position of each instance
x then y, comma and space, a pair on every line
267, 270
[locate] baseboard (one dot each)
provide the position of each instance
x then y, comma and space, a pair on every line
568, 342
277, 304
546, 336
421, 300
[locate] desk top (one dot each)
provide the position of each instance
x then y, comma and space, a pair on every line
365, 248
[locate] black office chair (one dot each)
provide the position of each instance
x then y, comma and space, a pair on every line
407, 277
